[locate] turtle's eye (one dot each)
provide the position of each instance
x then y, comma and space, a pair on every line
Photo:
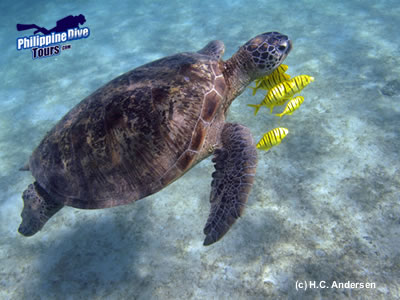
282, 48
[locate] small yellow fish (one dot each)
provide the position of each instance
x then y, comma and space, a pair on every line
292, 105
269, 81
301, 82
298, 83
272, 138
281, 69
278, 94
285, 90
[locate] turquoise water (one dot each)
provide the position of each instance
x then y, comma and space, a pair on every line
325, 204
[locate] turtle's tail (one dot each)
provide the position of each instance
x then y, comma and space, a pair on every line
38, 209
256, 106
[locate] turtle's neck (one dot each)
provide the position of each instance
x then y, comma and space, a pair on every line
238, 75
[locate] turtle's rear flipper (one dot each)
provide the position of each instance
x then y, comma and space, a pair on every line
235, 165
38, 209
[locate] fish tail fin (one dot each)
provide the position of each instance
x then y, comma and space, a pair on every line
256, 106
279, 115
272, 108
254, 89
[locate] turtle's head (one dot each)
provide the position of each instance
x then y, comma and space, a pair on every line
257, 58
267, 51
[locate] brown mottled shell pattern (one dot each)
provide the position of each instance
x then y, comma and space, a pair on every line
135, 135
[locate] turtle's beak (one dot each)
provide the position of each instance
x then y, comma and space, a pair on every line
287, 45
290, 45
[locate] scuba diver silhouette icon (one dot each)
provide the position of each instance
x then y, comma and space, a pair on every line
62, 25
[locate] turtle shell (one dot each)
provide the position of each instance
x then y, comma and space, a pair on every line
133, 136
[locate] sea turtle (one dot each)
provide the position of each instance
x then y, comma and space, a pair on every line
146, 128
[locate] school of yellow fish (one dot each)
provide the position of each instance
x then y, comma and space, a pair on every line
280, 88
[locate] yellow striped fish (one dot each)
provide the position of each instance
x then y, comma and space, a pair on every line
272, 138
292, 105
300, 82
269, 81
276, 96
281, 69
285, 90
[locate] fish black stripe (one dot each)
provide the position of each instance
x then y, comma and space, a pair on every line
279, 134
267, 140
304, 80
273, 139
278, 90
290, 106
274, 81
297, 84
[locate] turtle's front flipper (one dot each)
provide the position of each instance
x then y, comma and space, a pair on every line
38, 209
235, 165
213, 48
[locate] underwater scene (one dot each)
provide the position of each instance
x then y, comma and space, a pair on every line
315, 87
